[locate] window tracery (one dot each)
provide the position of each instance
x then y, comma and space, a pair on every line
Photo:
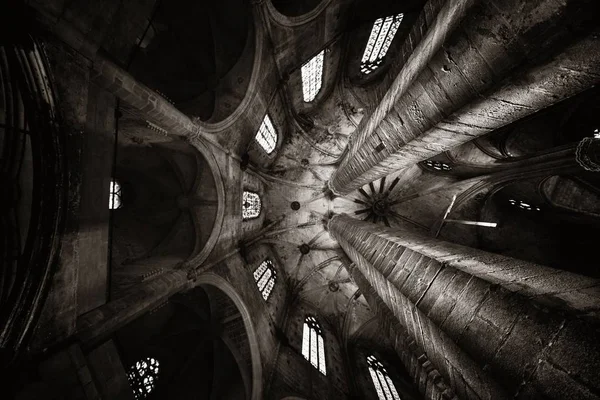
265, 276
251, 205
267, 135
114, 201
523, 206
313, 348
382, 34
383, 383
312, 77
142, 377
438, 166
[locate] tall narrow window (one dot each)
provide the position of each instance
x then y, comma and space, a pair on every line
383, 383
142, 377
313, 348
312, 77
382, 34
267, 135
250, 205
114, 200
265, 276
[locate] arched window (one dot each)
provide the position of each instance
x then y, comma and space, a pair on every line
142, 377
265, 276
438, 166
313, 348
523, 206
267, 135
114, 201
312, 77
383, 383
382, 34
250, 205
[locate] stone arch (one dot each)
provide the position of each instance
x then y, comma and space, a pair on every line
292, 19
173, 214
210, 279
251, 92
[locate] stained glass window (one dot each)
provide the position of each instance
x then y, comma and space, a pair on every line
267, 135
439, 166
265, 276
250, 205
312, 77
114, 200
382, 34
383, 383
313, 348
142, 377
524, 206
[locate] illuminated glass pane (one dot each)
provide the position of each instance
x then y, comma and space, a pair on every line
381, 380
380, 39
114, 200
267, 135
306, 342
312, 77
250, 205
142, 377
390, 384
313, 348
322, 356
265, 276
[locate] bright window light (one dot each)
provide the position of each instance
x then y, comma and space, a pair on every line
142, 377
265, 276
383, 383
114, 200
250, 205
312, 77
313, 348
382, 34
267, 135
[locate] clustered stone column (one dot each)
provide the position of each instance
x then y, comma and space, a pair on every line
467, 88
493, 326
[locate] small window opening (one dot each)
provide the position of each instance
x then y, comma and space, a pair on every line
114, 201
438, 166
265, 276
142, 377
251, 205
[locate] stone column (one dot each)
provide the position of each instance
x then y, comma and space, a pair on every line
468, 87
494, 327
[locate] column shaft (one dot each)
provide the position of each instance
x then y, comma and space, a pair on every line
480, 316
466, 89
